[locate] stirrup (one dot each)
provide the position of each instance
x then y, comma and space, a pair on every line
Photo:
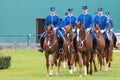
61, 50
40, 50
116, 47
96, 51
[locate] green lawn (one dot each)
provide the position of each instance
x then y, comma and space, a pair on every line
30, 65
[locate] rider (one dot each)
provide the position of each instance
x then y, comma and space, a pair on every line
70, 20
54, 20
110, 24
87, 20
63, 23
102, 21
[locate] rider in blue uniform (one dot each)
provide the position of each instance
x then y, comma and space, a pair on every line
87, 20
102, 21
110, 24
63, 23
70, 20
54, 20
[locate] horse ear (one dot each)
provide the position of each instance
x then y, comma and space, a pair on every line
76, 23
80, 23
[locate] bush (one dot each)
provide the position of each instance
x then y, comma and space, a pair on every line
5, 62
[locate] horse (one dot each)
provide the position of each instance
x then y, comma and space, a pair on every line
100, 46
110, 52
70, 50
50, 46
84, 48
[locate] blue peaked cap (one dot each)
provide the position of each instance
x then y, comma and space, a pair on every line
100, 9
52, 9
84, 7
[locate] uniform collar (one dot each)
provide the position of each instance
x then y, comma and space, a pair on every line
52, 15
85, 14
100, 16
70, 15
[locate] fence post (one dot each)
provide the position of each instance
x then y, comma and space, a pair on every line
29, 35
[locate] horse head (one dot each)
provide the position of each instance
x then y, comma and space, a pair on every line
69, 34
80, 30
50, 34
96, 30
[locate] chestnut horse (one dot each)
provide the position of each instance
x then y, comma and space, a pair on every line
110, 53
103, 53
100, 46
50, 46
70, 51
84, 48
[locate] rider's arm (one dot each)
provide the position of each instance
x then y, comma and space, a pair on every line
46, 22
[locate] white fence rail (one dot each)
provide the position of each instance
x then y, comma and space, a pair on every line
28, 44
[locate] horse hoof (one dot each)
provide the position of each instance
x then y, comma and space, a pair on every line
75, 69
80, 76
47, 75
57, 74
51, 73
71, 71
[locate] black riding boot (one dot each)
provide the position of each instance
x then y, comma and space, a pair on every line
95, 47
41, 46
114, 42
61, 50
107, 46
75, 48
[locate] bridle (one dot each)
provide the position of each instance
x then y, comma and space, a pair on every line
79, 39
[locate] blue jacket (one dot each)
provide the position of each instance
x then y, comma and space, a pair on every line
54, 20
63, 22
86, 19
110, 23
102, 21
69, 20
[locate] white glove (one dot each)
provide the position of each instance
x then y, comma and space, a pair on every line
88, 29
111, 29
102, 31
63, 29
55, 29
73, 30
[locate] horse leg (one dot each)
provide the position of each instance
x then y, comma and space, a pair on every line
84, 63
87, 64
110, 58
92, 58
58, 67
47, 63
71, 62
65, 63
69, 66
100, 61
80, 63
95, 68
75, 64
52, 63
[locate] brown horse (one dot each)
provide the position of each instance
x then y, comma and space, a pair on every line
70, 51
50, 46
110, 53
100, 46
84, 48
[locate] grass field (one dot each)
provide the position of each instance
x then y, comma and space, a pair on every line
30, 65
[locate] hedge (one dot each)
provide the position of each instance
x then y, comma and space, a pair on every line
5, 62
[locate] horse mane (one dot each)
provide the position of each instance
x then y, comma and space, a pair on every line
80, 25
96, 27
68, 28
50, 28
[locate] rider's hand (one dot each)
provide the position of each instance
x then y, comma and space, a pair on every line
88, 29
55, 29
73, 30
102, 31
